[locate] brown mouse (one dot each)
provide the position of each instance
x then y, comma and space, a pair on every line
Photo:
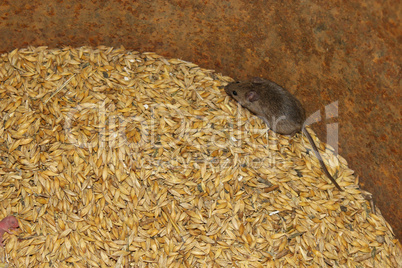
280, 110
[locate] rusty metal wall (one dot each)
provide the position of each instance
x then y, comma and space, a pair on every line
347, 52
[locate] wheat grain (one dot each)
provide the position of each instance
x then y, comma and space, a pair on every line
111, 157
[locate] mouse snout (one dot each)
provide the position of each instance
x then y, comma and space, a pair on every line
229, 89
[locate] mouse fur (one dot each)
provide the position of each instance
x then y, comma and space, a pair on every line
280, 110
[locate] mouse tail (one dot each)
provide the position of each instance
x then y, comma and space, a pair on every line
318, 155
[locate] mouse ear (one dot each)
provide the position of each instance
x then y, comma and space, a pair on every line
252, 96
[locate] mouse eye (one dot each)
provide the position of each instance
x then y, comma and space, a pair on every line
234, 93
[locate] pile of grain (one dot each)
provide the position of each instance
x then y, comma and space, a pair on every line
114, 158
